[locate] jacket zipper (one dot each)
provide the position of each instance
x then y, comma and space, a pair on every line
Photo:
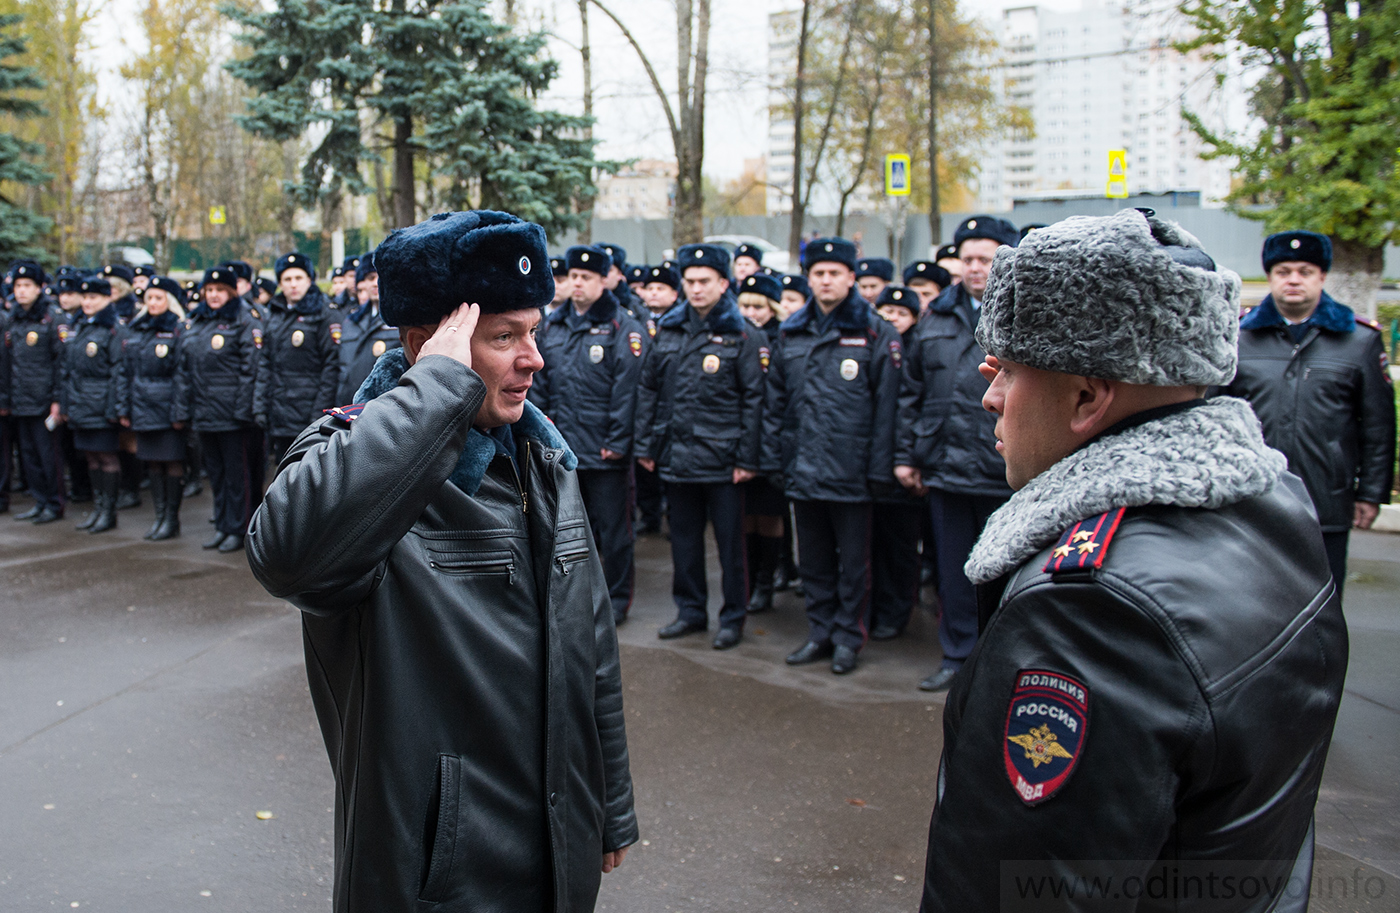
481, 568
519, 483
566, 560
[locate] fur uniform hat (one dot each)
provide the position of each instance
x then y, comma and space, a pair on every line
636, 274
28, 269
748, 250
932, 272
711, 255
1298, 246
946, 252
988, 227
1126, 297
264, 283
337, 272
222, 275
119, 271
760, 284
663, 274
899, 297
294, 260
366, 268
617, 254
493, 259
144, 271
241, 269
879, 267
351, 263
829, 250
558, 266
593, 259
169, 286
96, 285
796, 284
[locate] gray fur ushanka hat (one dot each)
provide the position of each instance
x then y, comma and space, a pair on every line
1126, 297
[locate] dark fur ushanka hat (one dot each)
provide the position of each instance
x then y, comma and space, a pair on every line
1126, 297
988, 227
617, 254
222, 275
119, 271
28, 269
294, 260
95, 285
946, 252
926, 269
558, 266
636, 274
366, 268
829, 250
493, 259
593, 259
241, 269
711, 255
748, 250
169, 286
1298, 246
899, 297
663, 274
879, 267
760, 284
795, 283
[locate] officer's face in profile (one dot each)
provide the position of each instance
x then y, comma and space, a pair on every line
900, 317
563, 285
976, 256
70, 301
871, 287
506, 358
704, 287
1035, 414
93, 302
831, 283
587, 287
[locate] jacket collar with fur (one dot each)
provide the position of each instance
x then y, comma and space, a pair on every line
851, 315
724, 317
1208, 456
481, 448
1330, 315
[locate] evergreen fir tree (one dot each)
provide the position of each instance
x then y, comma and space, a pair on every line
20, 228
436, 80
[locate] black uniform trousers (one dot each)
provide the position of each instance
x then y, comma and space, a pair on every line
1336, 546
649, 493
7, 444
607, 496
230, 458
894, 562
957, 522
833, 557
692, 506
42, 455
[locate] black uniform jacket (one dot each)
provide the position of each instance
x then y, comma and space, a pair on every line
1326, 402
364, 336
1191, 682
700, 403
461, 653
589, 382
34, 358
146, 391
829, 416
92, 364
218, 368
299, 368
943, 429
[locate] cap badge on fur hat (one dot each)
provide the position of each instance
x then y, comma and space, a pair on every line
971, 223
524, 266
583, 257
1295, 244
828, 248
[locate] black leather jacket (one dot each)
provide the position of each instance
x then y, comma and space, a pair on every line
1213, 649
1326, 402
461, 655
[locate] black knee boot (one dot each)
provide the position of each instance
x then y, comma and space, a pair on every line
170, 522
766, 552
129, 478
105, 489
158, 499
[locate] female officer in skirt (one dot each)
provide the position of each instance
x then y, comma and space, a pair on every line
215, 376
765, 509
146, 397
92, 364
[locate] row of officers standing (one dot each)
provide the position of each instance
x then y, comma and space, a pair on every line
853, 406
122, 373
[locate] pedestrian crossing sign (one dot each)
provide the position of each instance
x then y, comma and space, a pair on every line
897, 183
217, 215
1117, 174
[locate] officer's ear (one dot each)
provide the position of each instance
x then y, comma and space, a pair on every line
413, 339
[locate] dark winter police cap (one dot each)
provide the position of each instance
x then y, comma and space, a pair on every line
663, 274
581, 256
366, 268
264, 283
222, 275
760, 284
878, 267
351, 263
1126, 297
1030, 227
636, 274
169, 286
989, 227
28, 269
337, 272
1298, 246
241, 269
617, 254
119, 271
492, 259
711, 255
924, 269
829, 250
294, 260
748, 250
68, 284
899, 297
558, 266
95, 286
946, 252
144, 271
795, 283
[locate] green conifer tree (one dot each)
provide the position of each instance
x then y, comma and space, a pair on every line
20, 228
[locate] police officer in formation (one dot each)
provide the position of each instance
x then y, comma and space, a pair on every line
363, 335
659, 292
699, 418
592, 351
873, 275
30, 392
92, 364
748, 259
299, 371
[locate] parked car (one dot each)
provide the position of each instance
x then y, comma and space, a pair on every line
131, 256
774, 257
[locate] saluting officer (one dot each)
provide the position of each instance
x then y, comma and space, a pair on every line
592, 353
92, 363
30, 391
218, 371
299, 370
833, 387
947, 441
146, 397
873, 274
364, 336
1316, 375
699, 417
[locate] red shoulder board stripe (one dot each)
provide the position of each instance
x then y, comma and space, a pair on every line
348, 413
1084, 544
1367, 322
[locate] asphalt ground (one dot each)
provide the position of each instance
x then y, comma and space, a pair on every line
155, 702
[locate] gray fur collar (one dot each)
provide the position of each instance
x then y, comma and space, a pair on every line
1209, 456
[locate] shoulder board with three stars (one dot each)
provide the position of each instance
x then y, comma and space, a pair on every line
1083, 545
346, 413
